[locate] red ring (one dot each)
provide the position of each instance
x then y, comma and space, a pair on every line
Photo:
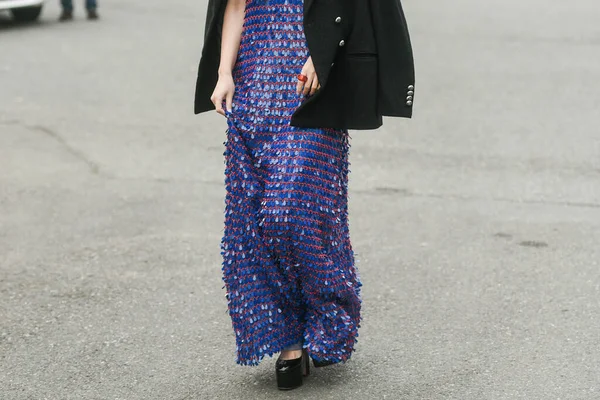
302, 77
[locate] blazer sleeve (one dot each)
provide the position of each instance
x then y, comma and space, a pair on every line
211, 54
395, 58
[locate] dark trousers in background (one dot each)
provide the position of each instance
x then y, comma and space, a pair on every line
68, 4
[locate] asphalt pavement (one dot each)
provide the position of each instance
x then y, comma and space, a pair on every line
476, 223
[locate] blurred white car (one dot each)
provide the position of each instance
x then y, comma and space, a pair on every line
23, 10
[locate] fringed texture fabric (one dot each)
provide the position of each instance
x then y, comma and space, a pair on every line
288, 265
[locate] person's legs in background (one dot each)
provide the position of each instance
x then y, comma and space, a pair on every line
91, 6
67, 10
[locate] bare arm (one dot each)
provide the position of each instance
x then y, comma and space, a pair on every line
233, 22
231, 36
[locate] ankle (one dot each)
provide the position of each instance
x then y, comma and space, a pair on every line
291, 354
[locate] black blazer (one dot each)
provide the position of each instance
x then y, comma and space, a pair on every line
362, 55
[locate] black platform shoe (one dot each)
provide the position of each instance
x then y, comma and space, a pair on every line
290, 373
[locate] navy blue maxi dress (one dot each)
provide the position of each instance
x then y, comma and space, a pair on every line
288, 265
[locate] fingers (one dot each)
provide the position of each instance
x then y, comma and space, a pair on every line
307, 84
229, 101
217, 100
315, 85
310, 86
299, 85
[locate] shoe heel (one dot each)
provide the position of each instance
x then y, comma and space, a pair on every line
321, 364
306, 363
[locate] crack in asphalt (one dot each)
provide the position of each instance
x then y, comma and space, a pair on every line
93, 167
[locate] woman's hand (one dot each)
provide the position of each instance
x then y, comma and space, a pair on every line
224, 90
312, 84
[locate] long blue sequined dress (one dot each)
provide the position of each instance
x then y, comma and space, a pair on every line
288, 265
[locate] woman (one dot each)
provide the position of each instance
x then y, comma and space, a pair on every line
291, 77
